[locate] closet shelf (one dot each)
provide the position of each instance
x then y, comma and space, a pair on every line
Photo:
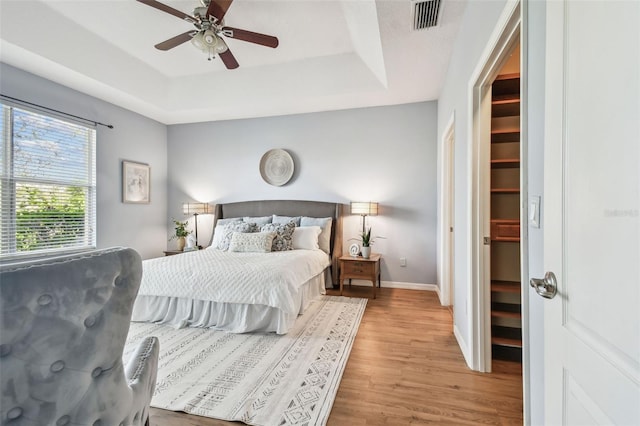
505, 230
505, 190
505, 163
505, 106
502, 136
504, 341
505, 286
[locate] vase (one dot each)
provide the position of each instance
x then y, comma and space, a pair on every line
181, 243
366, 252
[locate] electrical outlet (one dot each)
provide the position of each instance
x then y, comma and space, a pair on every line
403, 261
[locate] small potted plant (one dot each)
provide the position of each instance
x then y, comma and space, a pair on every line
367, 242
180, 232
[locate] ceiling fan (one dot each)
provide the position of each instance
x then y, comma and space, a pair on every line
209, 22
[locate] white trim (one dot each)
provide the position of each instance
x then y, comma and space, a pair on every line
463, 347
445, 268
504, 35
398, 284
524, 213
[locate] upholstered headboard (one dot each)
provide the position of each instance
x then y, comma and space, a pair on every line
291, 208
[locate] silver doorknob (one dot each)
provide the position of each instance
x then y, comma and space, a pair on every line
546, 287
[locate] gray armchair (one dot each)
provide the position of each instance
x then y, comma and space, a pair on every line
63, 325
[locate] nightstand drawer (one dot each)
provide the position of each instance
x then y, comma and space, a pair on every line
358, 267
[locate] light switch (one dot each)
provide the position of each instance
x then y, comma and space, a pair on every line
534, 211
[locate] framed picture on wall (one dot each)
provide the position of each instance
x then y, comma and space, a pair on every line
136, 182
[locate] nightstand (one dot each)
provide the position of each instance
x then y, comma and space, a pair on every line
172, 252
360, 268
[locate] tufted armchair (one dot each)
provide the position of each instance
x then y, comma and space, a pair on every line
63, 325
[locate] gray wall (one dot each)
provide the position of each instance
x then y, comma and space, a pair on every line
535, 25
478, 23
140, 226
384, 154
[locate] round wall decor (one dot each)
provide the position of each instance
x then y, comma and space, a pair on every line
276, 167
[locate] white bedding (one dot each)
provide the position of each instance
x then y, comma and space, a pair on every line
270, 279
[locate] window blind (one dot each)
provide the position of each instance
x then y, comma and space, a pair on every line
48, 183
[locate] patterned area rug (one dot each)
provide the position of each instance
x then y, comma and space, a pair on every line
258, 379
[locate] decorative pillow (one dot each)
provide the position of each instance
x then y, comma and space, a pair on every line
262, 220
324, 240
284, 235
256, 242
218, 231
286, 219
306, 237
229, 229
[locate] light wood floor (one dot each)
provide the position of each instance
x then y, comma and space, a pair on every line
406, 368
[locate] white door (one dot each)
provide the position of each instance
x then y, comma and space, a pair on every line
592, 213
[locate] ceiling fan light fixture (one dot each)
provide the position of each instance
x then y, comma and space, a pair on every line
208, 42
205, 40
221, 47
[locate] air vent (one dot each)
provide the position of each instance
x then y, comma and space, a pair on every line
425, 14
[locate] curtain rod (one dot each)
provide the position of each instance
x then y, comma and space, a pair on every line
20, 101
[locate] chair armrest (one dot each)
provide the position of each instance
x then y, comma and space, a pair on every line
141, 371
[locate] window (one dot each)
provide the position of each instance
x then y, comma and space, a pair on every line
47, 185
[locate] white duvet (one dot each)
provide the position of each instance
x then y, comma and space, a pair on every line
271, 279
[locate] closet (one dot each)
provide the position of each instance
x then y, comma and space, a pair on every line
506, 312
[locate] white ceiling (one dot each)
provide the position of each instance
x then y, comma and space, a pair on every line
332, 55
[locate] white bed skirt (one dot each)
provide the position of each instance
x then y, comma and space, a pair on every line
233, 317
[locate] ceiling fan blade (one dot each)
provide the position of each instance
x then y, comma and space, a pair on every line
228, 59
250, 36
175, 41
218, 8
169, 9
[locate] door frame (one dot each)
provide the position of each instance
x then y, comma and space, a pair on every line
506, 34
447, 211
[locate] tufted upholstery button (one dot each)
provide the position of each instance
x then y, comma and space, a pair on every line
90, 321
57, 366
44, 300
64, 420
118, 281
5, 350
14, 413
97, 423
96, 372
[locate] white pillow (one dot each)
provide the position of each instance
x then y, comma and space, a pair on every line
286, 219
218, 233
324, 240
256, 242
306, 237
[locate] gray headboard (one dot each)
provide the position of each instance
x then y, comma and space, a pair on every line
291, 208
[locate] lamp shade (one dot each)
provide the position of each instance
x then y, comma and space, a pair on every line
364, 208
196, 208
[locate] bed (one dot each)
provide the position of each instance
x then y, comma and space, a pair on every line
245, 291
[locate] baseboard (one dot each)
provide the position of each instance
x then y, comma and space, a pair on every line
463, 346
397, 284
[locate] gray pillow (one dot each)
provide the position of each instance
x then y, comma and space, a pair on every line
229, 229
284, 235
228, 220
324, 239
260, 220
